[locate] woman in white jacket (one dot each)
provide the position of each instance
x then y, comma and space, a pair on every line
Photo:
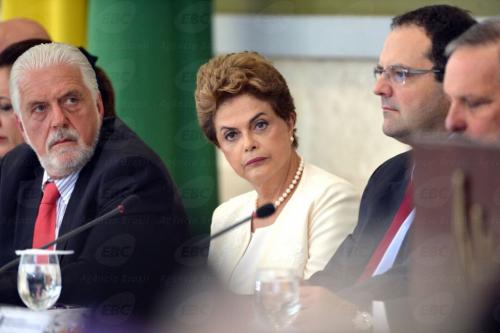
245, 108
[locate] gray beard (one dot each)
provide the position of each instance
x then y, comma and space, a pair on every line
56, 169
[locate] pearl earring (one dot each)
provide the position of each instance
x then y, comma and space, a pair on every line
292, 139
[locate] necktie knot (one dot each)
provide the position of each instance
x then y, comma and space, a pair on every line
50, 194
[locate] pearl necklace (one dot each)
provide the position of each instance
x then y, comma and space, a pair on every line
292, 185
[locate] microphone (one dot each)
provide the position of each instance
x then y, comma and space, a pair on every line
119, 210
263, 211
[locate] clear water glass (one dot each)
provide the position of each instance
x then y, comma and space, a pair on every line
277, 297
39, 277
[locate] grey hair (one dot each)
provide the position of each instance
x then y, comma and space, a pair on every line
47, 55
480, 34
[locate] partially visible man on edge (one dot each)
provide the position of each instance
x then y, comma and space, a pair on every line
472, 82
90, 166
18, 29
371, 264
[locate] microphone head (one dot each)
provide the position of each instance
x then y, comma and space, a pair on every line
265, 210
128, 202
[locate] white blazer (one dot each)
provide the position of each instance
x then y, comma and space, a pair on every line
322, 211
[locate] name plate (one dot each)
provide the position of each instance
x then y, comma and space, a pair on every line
19, 320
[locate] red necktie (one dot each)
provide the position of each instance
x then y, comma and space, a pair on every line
404, 210
45, 225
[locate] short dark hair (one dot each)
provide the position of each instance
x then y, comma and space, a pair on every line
107, 92
10, 54
442, 24
483, 33
103, 83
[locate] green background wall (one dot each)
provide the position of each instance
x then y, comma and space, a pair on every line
151, 50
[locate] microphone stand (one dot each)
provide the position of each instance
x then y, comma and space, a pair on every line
120, 209
261, 212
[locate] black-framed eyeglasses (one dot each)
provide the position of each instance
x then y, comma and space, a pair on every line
399, 74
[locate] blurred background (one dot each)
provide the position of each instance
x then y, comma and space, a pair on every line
325, 49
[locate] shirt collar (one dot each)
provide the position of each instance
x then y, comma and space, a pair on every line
64, 185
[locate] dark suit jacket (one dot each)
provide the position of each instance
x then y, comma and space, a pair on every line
380, 201
120, 261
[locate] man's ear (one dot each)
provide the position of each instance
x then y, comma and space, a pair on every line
19, 124
291, 122
100, 106
20, 127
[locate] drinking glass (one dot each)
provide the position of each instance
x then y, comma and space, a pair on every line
277, 297
39, 277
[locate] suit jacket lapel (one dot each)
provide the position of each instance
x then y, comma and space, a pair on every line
386, 207
28, 200
73, 219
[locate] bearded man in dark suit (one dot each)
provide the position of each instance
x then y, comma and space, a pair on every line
95, 164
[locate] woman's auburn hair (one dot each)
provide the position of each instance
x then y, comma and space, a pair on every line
234, 74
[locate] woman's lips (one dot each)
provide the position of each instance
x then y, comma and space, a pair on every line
254, 160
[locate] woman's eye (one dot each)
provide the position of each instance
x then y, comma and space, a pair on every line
260, 125
5, 107
230, 136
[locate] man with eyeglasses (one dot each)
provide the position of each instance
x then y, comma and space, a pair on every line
371, 264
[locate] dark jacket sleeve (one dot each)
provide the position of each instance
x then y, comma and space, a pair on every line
380, 201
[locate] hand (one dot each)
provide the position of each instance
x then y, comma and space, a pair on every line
323, 311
